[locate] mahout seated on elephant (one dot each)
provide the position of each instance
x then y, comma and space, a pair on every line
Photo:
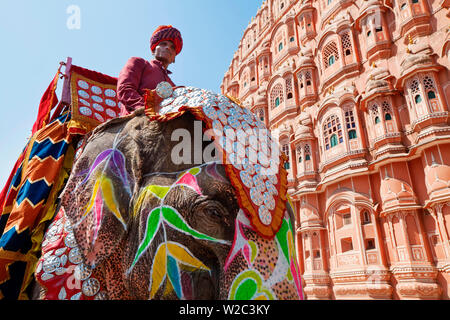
134, 224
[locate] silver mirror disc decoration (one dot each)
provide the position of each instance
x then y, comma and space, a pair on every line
164, 89
66, 262
246, 140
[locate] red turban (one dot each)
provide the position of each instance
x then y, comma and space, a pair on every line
163, 33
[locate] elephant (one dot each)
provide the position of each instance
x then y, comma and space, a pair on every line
132, 224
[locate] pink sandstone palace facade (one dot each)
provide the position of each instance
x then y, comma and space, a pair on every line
359, 92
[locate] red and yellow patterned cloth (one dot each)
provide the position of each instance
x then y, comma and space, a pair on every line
94, 99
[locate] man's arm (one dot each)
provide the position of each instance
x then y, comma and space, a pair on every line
128, 84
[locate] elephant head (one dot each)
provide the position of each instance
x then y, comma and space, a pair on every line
139, 226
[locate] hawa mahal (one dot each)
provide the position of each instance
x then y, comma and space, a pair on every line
359, 92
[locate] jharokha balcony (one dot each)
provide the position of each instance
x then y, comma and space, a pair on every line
358, 92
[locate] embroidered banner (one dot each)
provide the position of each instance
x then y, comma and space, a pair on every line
94, 99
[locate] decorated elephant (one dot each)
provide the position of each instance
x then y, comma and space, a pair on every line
135, 224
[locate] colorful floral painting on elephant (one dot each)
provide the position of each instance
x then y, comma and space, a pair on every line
134, 225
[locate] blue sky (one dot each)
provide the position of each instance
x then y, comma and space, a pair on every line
35, 37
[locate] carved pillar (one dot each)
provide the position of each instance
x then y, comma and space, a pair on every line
424, 240
362, 247
402, 218
311, 249
416, 279
304, 252
378, 281
322, 249
392, 235
333, 250
378, 241
360, 279
438, 216
317, 280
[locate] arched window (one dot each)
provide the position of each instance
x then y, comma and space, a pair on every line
333, 140
415, 91
387, 116
366, 217
332, 132
300, 79
377, 119
331, 60
280, 46
308, 78
414, 86
277, 102
307, 152
291, 39
299, 154
352, 134
346, 44
330, 54
350, 119
374, 110
431, 95
428, 84
261, 114
386, 107
276, 96
285, 150
289, 88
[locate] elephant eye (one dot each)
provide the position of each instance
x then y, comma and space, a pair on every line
213, 212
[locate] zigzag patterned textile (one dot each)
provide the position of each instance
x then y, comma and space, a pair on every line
30, 204
28, 201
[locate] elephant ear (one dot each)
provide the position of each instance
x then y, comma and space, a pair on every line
96, 199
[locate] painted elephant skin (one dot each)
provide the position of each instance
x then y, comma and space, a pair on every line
134, 225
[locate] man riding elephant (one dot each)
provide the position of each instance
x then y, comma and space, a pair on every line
135, 224
139, 74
